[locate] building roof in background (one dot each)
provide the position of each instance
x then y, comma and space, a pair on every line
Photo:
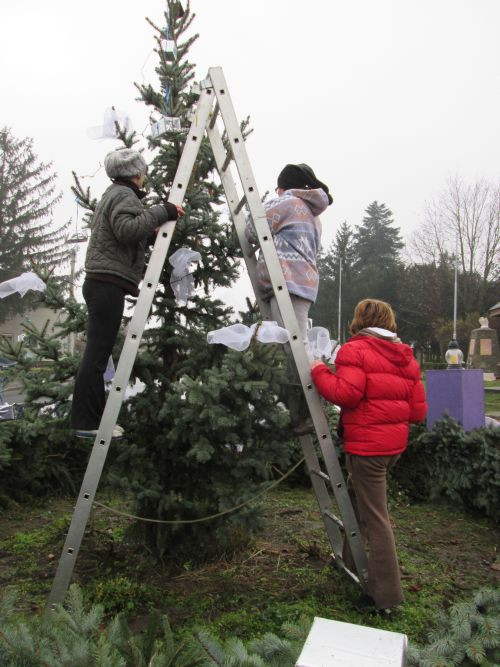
494, 311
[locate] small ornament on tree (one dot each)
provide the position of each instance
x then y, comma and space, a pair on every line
165, 124
168, 48
183, 262
78, 236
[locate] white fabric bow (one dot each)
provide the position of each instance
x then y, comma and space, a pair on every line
320, 346
238, 336
108, 128
22, 284
181, 278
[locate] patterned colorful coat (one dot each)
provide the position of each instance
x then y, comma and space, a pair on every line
296, 229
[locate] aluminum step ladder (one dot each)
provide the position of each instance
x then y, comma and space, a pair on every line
215, 103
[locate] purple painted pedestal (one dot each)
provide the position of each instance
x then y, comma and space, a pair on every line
460, 393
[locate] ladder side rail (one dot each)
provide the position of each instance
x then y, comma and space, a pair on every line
238, 217
321, 492
322, 495
254, 203
268, 250
127, 357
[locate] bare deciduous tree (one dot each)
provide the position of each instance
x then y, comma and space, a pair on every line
470, 212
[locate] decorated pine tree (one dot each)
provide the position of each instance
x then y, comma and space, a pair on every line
204, 434
28, 235
208, 429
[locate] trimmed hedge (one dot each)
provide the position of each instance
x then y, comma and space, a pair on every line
452, 463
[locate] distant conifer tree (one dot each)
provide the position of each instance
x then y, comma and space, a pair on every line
27, 199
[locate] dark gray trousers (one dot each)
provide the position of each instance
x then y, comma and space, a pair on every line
105, 303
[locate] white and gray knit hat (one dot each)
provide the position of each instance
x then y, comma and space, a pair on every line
124, 163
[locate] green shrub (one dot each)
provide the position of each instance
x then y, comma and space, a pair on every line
452, 463
39, 457
120, 594
75, 635
434, 365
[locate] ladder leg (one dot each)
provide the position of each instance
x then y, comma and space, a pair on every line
129, 352
322, 495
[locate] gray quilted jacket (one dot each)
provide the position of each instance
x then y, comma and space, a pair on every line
120, 229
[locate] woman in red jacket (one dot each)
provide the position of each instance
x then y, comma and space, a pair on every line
378, 387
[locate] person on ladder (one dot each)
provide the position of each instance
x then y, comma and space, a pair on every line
377, 384
121, 227
296, 230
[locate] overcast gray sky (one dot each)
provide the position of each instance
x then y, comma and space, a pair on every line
383, 98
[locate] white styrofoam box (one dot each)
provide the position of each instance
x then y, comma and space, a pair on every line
349, 645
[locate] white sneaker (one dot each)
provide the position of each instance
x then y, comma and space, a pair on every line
91, 433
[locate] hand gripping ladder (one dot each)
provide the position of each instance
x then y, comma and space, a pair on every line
215, 102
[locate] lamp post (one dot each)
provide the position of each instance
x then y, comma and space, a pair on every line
455, 392
454, 355
340, 301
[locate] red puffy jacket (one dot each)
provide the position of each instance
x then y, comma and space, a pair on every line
377, 384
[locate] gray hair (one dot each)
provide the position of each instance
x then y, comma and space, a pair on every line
124, 163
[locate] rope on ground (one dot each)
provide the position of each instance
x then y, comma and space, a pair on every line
205, 518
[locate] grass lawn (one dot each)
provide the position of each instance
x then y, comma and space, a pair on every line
281, 575
492, 399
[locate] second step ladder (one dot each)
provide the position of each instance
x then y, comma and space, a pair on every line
230, 151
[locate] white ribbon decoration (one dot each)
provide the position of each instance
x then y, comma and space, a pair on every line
108, 128
238, 336
181, 279
21, 284
320, 346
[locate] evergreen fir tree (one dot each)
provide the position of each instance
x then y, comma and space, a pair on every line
466, 635
377, 245
27, 198
204, 433
78, 635
38, 455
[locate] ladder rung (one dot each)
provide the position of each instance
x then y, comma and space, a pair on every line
227, 161
338, 561
333, 517
321, 474
240, 204
213, 117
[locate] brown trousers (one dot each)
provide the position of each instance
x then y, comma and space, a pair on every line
367, 484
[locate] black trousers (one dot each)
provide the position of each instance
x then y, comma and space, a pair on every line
105, 303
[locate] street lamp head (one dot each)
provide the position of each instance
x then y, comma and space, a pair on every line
77, 237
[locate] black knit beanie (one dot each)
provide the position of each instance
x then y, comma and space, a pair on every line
301, 176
